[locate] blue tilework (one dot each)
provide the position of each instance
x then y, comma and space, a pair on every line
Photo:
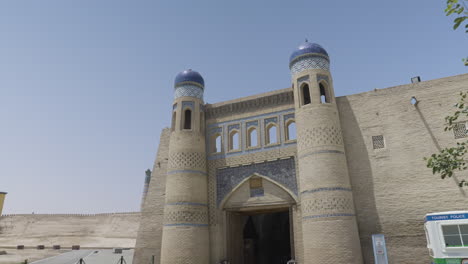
310, 62
327, 215
189, 76
252, 123
188, 104
244, 124
188, 90
257, 192
286, 117
303, 79
235, 126
307, 48
282, 171
216, 130
252, 117
326, 189
271, 120
322, 77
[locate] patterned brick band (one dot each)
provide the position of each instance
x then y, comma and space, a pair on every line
327, 215
321, 152
188, 203
326, 189
187, 224
186, 171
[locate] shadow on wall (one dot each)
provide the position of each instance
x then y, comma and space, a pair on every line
360, 173
436, 143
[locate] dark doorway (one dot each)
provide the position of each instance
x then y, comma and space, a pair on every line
266, 238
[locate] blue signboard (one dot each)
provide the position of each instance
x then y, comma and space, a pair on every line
447, 217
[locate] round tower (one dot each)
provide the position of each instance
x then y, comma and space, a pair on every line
185, 236
330, 233
2, 200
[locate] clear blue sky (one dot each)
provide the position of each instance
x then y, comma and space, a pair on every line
86, 86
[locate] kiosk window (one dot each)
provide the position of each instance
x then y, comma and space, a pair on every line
455, 235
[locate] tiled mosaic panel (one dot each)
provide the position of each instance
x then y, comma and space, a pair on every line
189, 90
378, 142
322, 77
187, 104
460, 131
282, 171
231, 127
252, 123
312, 62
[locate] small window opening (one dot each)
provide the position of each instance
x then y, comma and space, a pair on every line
323, 94
378, 142
234, 141
306, 94
174, 115
188, 119
252, 142
217, 144
271, 135
291, 131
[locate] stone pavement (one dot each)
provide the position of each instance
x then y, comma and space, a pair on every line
70, 257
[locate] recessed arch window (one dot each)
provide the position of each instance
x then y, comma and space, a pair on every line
188, 119
305, 94
271, 135
252, 137
324, 94
216, 143
291, 130
234, 142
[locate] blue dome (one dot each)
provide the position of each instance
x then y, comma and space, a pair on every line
306, 48
189, 76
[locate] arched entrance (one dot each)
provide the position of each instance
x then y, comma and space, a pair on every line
259, 226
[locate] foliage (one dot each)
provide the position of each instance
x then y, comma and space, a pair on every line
452, 159
458, 8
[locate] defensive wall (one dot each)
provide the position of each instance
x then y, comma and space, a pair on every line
385, 137
87, 230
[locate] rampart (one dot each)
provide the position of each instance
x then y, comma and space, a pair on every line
105, 230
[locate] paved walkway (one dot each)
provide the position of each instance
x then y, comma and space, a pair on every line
107, 256
66, 258
97, 256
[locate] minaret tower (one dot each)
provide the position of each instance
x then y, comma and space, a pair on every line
185, 236
330, 233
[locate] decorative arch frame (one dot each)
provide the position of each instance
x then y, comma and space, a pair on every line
249, 137
305, 94
214, 148
231, 147
327, 92
287, 123
268, 141
233, 190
